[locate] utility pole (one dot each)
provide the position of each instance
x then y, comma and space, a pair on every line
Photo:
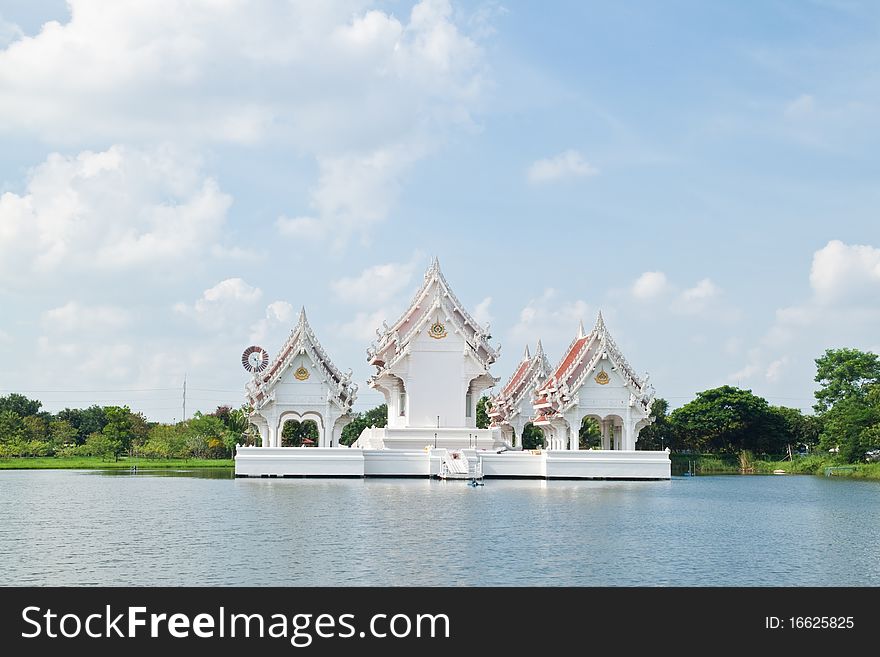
184, 396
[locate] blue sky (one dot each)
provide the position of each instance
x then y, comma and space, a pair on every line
177, 181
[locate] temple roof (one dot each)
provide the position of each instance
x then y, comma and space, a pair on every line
529, 374
433, 294
579, 360
302, 340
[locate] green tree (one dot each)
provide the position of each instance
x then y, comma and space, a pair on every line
844, 373
482, 415
61, 434
799, 429
12, 429
206, 436
166, 441
850, 425
295, 433
375, 417
124, 429
656, 435
727, 419
589, 434
532, 437
86, 421
20, 405
849, 400
102, 445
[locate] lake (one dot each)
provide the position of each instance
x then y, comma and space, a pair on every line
204, 528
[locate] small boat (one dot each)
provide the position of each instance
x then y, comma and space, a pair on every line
474, 483
777, 471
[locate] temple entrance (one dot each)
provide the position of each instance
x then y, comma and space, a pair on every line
532, 437
590, 432
300, 434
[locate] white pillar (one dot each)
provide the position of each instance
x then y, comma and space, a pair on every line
574, 439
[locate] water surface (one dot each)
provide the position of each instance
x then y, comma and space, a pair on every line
203, 528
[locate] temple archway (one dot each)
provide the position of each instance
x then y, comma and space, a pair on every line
590, 432
303, 429
532, 437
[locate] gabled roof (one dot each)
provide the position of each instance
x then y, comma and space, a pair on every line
529, 374
433, 294
302, 340
579, 360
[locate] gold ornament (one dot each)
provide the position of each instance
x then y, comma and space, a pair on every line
437, 331
301, 373
602, 378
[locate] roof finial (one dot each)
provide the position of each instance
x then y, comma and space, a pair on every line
527, 355
581, 332
600, 322
539, 350
433, 268
302, 316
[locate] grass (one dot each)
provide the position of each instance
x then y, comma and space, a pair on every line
96, 463
813, 464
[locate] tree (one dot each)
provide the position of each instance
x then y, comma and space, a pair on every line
844, 373
20, 405
799, 429
656, 435
375, 417
589, 434
532, 437
124, 428
206, 436
851, 424
61, 434
849, 400
101, 444
12, 429
166, 441
482, 415
86, 421
295, 433
727, 419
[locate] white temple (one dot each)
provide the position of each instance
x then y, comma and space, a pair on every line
302, 383
432, 366
511, 409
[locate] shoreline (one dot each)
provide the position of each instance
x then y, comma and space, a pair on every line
96, 463
703, 464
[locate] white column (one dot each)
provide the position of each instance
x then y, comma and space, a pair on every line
574, 439
606, 443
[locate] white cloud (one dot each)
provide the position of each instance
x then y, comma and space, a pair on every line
75, 317
482, 313
703, 290
846, 272
570, 164
774, 369
363, 92
229, 290
375, 285
113, 210
223, 307
843, 310
363, 327
650, 286
550, 319
278, 314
